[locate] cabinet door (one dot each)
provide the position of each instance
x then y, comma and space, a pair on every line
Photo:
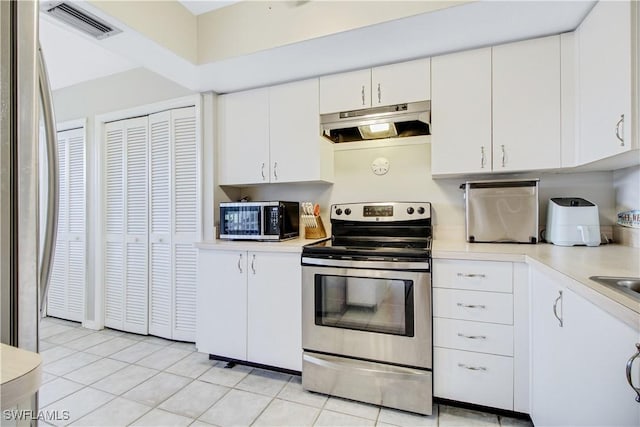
275, 310
461, 112
222, 303
526, 105
345, 92
400, 83
550, 354
604, 57
294, 132
597, 374
578, 369
243, 156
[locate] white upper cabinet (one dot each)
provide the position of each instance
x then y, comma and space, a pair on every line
243, 156
346, 91
461, 112
497, 109
526, 105
605, 54
400, 83
373, 87
297, 151
272, 135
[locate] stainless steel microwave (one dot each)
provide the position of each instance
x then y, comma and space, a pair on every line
275, 220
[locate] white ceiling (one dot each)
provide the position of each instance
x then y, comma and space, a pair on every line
198, 7
73, 57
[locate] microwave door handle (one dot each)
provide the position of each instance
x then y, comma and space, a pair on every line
51, 227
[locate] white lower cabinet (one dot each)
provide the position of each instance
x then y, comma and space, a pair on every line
474, 356
249, 307
482, 379
578, 360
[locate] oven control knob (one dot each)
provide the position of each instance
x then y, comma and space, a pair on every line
338, 211
347, 211
410, 210
420, 210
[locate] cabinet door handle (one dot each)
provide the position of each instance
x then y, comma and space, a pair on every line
555, 307
471, 275
253, 264
262, 172
629, 366
362, 94
480, 306
620, 125
472, 368
240, 263
483, 160
275, 170
379, 94
472, 337
504, 155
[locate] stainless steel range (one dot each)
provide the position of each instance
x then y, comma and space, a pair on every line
366, 306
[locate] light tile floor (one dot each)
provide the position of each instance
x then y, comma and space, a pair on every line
112, 378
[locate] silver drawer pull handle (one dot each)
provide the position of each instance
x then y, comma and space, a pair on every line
619, 125
555, 307
472, 368
472, 337
482, 306
471, 275
629, 366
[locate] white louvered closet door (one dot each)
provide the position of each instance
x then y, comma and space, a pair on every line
114, 225
174, 223
186, 221
126, 293
136, 229
160, 265
68, 277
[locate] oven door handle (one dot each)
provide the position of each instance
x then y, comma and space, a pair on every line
390, 372
376, 265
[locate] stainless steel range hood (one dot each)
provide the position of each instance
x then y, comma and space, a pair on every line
393, 121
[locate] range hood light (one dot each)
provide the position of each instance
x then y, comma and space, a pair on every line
378, 130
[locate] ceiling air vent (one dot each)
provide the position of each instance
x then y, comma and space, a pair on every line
79, 19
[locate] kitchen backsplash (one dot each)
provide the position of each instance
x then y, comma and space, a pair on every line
409, 178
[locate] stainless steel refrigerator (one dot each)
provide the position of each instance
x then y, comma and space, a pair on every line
26, 248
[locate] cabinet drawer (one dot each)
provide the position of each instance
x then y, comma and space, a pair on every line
473, 336
473, 275
473, 305
478, 378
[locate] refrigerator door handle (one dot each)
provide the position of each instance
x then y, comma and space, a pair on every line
52, 180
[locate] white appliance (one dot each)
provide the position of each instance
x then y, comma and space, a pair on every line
572, 221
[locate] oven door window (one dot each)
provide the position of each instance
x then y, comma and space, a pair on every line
365, 304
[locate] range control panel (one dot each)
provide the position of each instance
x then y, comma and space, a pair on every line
381, 211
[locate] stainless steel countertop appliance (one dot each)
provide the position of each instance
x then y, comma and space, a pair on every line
504, 211
366, 306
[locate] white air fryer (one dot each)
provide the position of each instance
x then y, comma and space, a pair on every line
572, 221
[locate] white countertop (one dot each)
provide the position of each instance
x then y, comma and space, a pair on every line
571, 265
291, 245
20, 375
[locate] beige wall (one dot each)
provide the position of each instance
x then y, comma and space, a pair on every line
167, 23
252, 26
